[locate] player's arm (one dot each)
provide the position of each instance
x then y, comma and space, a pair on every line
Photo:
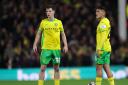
102, 40
103, 37
37, 39
64, 41
65, 49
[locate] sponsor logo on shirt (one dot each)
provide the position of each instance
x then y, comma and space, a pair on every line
56, 24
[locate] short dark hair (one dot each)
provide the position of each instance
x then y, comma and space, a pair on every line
50, 6
103, 8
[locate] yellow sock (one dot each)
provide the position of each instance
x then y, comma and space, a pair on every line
56, 82
40, 82
98, 80
111, 81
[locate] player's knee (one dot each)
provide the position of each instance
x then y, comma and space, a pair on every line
98, 69
99, 72
43, 69
56, 69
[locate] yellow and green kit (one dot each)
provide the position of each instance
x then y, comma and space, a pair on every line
50, 42
103, 41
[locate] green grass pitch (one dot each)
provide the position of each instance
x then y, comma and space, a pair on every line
63, 82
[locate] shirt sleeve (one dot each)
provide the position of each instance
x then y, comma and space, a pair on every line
41, 26
103, 27
103, 33
61, 27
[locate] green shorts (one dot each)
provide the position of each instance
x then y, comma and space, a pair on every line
104, 58
47, 55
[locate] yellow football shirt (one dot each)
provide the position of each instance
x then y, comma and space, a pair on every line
103, 35
51, 33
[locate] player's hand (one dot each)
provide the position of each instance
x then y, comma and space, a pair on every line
35, 50
65, 49
99, 52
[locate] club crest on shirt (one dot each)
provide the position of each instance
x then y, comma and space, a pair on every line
55, 24
103, 26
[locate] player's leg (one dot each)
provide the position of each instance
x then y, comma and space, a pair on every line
99, 74
56, 63
56, 74
42, 75
107, 69
44, 60
56, 71
109, 74
42, 72
99, 66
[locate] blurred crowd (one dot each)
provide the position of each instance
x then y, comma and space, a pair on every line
19, 21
